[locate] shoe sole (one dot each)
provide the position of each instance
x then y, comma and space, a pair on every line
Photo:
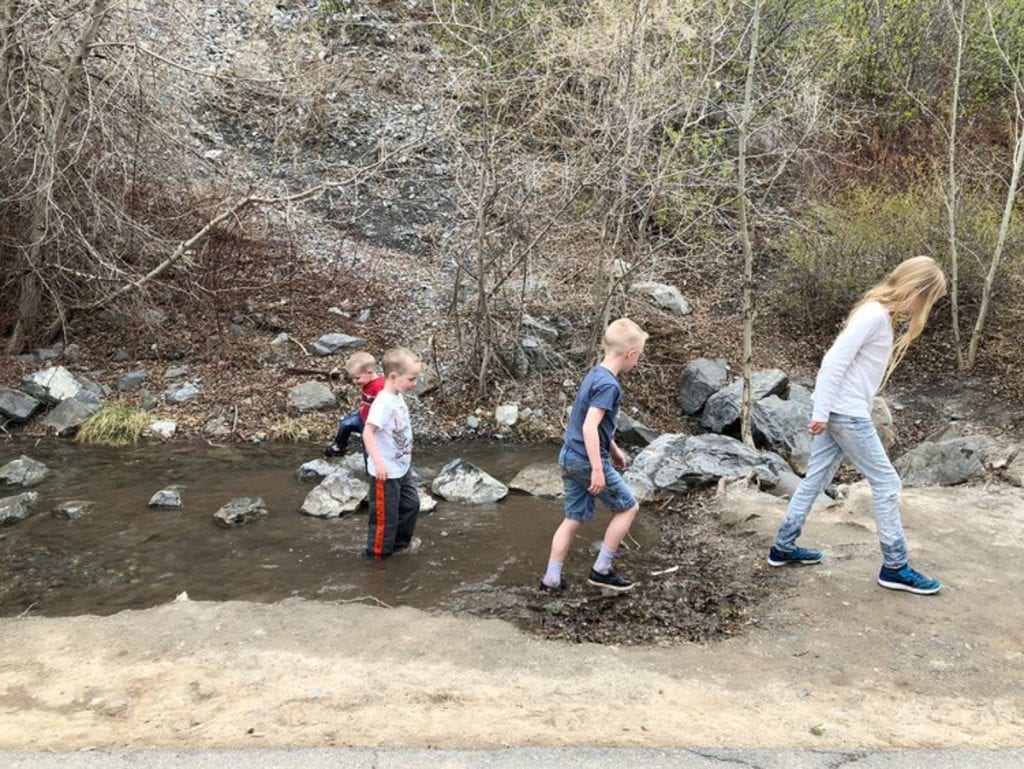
613, 588
799, 563
908, 588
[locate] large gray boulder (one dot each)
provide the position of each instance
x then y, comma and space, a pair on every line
241, 510
707, 458
945, 463
329, 344
17, 406
701, 379
23, 471
664, 296
17, 508
781, 425
337, 494
67, 416
541, 479
51, 385
722, 410
680, 462
460, 481
311, 396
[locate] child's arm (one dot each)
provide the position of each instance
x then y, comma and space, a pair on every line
618, 456
370, 441
838, 360
592, 441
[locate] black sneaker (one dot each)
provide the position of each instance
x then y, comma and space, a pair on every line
558, 589
610, 581
333, 451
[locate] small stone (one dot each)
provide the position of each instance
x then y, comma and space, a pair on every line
472, 422
132, 380
506, 415
174, 372
73, 509
240, 511
17, 406
329, 344
183, 393
170, 498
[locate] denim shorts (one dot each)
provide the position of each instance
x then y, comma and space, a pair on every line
580, 503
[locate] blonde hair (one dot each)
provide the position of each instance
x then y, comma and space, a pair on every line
359, 363
916, 277
623, 335
398, 360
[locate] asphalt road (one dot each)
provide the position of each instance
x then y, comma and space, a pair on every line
516, 758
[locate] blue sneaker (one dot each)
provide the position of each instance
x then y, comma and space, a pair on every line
778, 557
907, 579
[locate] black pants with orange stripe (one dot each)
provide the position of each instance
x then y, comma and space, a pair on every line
394, 507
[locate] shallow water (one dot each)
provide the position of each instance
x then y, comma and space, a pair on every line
126, 555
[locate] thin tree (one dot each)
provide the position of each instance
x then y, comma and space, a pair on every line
745, 227
1017, 88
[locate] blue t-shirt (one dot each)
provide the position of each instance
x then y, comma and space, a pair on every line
599, 389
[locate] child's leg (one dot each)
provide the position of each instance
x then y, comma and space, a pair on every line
579, 507
826, 455
617, 497
350, 424
382, 524
408, 511
861, 444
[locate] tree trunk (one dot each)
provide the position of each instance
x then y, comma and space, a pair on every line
951, 187
1004, 228
745, 226
55, 117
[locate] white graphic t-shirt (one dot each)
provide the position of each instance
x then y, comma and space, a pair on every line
390, 416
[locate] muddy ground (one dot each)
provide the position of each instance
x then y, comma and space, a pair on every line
832, 660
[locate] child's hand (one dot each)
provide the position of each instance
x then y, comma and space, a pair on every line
817, 428
619, 461
596, 481
382, 472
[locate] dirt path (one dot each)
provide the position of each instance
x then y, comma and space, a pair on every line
837, 663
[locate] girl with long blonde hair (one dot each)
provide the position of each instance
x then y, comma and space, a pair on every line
860, 361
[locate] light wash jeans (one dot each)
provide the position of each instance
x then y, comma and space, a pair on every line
856, 438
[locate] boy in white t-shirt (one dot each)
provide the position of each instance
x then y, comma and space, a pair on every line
394, 500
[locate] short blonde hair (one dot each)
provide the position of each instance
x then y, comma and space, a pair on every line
399, 360
359, 363
623, 335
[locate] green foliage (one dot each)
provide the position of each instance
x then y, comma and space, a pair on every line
845, 246
116, 424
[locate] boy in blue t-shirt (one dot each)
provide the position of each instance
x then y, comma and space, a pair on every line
591, 461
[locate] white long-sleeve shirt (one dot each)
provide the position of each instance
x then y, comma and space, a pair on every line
853, 368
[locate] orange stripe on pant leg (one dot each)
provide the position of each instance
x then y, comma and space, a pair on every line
378, 540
